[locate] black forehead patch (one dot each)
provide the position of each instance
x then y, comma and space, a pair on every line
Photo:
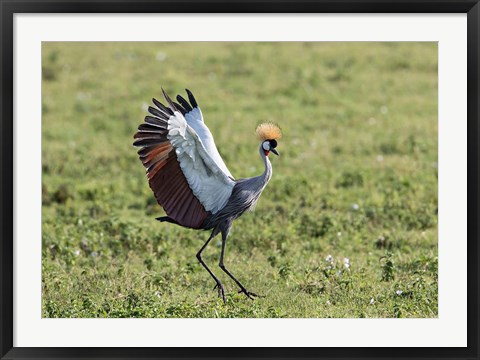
273, 143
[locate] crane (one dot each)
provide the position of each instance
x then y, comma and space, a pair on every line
189, 177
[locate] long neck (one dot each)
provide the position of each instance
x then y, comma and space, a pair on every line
267, 174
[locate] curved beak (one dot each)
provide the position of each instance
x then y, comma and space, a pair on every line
275, 152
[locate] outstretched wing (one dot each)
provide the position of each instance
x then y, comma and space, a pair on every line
192, 113
185, 179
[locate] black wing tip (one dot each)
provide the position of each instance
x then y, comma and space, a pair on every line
158, 113
169, 101
180, 108
191, 98
184, 103
162, 107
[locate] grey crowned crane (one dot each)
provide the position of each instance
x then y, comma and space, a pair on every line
189, 178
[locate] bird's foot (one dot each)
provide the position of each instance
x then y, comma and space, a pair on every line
221, 292
248, 294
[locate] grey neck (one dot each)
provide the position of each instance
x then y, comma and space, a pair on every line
267, 174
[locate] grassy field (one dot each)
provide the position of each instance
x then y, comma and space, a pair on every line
347, 227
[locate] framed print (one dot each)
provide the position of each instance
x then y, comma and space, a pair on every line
274, 180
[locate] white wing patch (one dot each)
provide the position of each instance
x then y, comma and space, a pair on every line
208, 181
195, 120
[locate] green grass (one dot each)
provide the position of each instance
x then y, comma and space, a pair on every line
356, 179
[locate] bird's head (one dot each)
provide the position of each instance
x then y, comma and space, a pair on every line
267, 134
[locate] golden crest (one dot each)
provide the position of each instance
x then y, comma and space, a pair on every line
268, 131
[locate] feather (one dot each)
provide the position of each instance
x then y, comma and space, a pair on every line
184, 103
191, 98
180, 108
162, 107
268, 131
169, 101
151, 127
149, 134
157, 113
147, 142
156, 121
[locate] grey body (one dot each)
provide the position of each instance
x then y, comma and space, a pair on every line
245, 195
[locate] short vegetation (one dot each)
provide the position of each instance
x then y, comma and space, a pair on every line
347, 227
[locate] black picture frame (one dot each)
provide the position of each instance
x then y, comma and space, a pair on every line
9, 8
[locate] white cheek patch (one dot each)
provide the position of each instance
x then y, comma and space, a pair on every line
266, 146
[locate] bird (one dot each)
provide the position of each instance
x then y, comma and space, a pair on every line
189, 178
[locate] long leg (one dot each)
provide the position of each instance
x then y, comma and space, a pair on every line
225, 232
219, 285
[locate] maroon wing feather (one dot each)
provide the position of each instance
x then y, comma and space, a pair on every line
164, 174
